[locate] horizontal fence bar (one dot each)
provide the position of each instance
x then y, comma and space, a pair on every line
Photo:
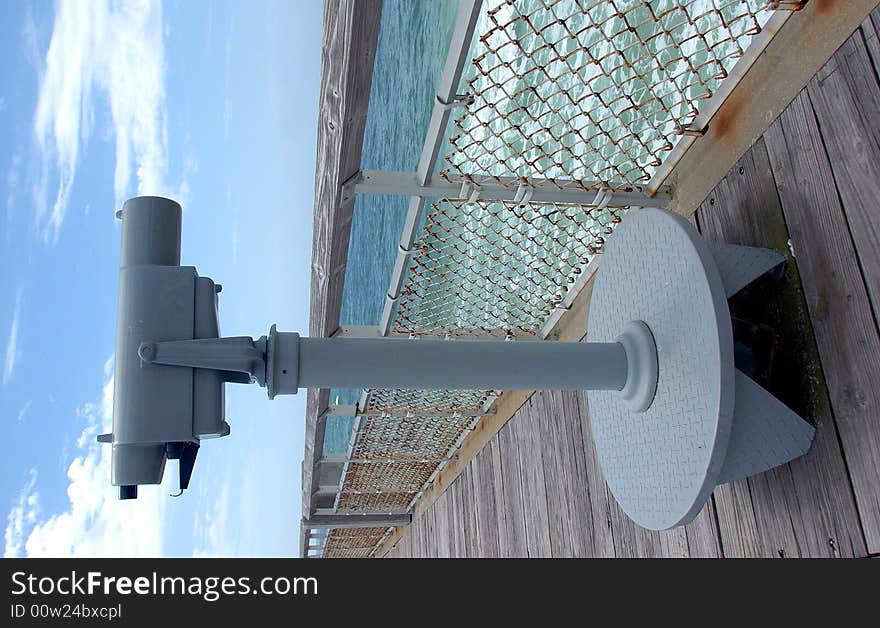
387, 490
351, 410
507, 189
354, 547
358, 515
375, 331
341, 459
356, 520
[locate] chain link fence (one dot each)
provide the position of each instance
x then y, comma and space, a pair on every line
593, 91
497, 268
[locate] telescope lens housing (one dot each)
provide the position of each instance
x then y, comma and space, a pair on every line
156, 406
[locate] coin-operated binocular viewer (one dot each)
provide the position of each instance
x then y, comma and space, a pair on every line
662, 420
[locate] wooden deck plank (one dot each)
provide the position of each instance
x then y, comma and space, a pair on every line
404, 549
348, 52
448, 527
674, 543
406, 546
436, 540
429, 540
702, 534
407, 549
836, 297
568, 496
871, 33
777, 511
432, 540
574, 459
488, 522
553, 455
454, 522
420, 526
464, 514
630, 539
445, 528
494, 448
534, 488
737, 524
600, 500
846, 99
514, 531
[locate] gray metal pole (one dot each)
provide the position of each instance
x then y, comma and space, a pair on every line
447, 364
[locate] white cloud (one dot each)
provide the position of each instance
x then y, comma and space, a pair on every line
13, 353
22, 516
22, 413
114, 51
210, 528
95, 523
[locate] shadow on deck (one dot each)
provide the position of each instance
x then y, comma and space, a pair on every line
810, 188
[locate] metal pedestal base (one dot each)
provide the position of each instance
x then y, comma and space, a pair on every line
706, 423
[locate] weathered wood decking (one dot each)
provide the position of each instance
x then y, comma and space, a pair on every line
811, 185
348, 52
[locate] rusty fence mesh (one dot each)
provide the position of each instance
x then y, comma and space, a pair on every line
425, 401
497, 268
593, 91
580, 94
405, 438
353, 543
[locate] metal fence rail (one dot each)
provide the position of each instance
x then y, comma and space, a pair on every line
584, 96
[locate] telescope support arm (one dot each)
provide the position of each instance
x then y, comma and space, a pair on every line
239, 354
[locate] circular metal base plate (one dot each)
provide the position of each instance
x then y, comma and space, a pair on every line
662, 464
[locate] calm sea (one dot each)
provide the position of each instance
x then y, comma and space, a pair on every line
413, 42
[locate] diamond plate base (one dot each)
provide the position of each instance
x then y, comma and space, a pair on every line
662, 464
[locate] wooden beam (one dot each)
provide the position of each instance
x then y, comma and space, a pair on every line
348, 52
355, 521
800, 48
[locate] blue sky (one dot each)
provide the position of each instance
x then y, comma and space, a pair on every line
215, 105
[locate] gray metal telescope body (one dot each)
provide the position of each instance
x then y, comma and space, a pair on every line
171, 364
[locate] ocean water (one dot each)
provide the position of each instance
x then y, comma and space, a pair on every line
413, 42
